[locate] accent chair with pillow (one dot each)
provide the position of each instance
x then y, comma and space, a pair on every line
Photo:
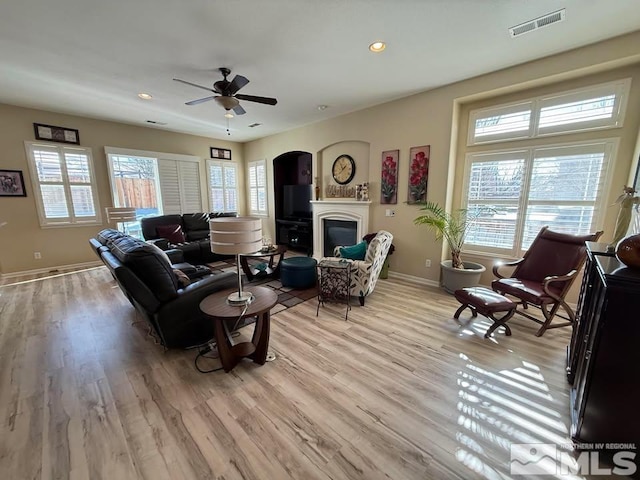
365, 272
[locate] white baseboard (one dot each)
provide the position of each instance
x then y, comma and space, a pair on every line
413, 279
61, 268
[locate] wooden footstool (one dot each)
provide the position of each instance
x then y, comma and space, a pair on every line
486, 302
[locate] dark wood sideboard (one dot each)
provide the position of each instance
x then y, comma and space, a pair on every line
603, 361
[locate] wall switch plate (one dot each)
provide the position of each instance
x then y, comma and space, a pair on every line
390, 212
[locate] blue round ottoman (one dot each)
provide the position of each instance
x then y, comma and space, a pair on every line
298, 272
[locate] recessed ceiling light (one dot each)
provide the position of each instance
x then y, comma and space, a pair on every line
377, 47
145, 96
322, 107
228, 115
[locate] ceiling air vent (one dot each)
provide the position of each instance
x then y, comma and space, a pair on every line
253, 125
537, 23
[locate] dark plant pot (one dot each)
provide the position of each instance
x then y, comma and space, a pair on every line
455, 278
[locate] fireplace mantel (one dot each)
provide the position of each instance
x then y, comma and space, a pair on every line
337, 209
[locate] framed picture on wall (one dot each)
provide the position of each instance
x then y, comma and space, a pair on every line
389, 177
56, 134
418, 174
12, 184
220, 153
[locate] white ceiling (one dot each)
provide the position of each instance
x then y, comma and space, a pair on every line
92, 57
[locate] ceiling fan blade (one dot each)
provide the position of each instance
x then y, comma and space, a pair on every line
236, 84
194, 85
238, 110
200, 100
253, 98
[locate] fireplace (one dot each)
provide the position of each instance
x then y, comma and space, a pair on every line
351, 217
338, 232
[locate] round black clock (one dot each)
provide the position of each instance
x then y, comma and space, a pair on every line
343, 170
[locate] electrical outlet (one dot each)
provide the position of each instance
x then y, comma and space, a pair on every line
37, 255
390, 213
427, 263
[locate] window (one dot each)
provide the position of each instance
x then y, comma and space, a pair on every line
223, 186
64, 184
520, 191
597, 107
258, 187
153, 183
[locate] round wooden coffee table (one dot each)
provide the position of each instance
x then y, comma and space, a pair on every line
271, 269
216, 308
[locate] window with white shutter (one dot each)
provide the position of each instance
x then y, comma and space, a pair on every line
223, 186
521, 191
257, 181
597, 107
64, 184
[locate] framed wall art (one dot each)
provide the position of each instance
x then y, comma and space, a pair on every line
389, 177
220, 153
418, 173
12, 184
56, 134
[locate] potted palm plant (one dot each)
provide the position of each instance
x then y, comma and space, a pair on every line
453, 227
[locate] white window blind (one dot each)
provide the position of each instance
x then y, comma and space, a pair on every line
223, 186
596, 107
521, 191
64, 184
257, 173
179, 186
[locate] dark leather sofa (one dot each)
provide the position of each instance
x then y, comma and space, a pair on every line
146, 277
193, 227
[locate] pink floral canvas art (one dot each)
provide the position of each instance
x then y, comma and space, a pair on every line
389, 177
418, 173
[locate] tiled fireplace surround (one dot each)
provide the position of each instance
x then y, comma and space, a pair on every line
338, 209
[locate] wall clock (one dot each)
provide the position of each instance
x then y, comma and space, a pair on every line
343, 170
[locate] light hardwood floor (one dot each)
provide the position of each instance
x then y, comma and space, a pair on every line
400, 391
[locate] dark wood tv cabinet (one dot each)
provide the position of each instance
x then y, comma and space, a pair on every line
604, 355
296, 234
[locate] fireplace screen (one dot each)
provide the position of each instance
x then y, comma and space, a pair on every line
338, 233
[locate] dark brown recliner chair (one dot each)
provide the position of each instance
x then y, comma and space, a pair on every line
544, 275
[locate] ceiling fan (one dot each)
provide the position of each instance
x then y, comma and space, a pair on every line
227, 96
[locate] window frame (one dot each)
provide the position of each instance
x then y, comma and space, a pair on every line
71, 220
255, 164
620, 88
524, 202
224, 164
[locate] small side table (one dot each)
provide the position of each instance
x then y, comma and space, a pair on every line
334, 282
216, 308
273, 270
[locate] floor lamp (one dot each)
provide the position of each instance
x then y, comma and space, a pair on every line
235, 236
120, 215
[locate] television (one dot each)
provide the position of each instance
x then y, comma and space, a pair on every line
296, 204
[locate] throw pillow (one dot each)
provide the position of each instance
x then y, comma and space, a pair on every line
354, 252
173, 233
183, 279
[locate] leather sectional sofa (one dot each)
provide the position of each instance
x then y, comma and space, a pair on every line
146, 276
188, 232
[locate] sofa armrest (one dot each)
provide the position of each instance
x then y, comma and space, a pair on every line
175, 255
210, 284
161, 243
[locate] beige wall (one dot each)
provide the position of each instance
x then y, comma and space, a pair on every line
431, 118
64, 246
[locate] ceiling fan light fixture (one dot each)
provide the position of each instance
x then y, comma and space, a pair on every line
227, 102
228, 115
145, 96
377, 47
